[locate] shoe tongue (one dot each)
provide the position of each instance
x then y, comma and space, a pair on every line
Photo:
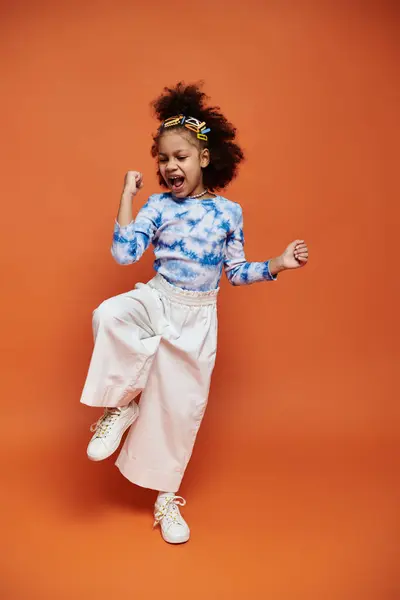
165, 495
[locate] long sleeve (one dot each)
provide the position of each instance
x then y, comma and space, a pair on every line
237, 269
131, 241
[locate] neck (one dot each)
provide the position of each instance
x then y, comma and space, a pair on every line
205, 194
198, 194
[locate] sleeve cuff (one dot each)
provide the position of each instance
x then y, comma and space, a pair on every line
125, 231
270, 276
122, 227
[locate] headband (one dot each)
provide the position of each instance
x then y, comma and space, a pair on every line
199, 127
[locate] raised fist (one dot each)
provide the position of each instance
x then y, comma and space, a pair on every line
133, 182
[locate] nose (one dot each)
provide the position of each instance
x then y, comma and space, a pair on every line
170, 166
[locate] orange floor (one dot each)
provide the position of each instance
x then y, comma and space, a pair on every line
302, 525
293, 489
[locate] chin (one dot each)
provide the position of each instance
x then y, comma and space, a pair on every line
179, 193
183, 193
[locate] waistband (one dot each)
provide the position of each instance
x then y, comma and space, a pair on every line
188, 297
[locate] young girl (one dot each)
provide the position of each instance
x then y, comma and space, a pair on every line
160, 338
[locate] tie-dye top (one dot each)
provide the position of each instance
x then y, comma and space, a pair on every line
193, 239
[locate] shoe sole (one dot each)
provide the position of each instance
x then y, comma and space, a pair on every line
115, 447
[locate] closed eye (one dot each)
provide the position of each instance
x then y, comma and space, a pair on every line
163, 160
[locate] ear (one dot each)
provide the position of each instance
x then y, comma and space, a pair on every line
204, 158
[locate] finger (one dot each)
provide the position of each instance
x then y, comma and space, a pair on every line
302, 259
301, 248
139, 181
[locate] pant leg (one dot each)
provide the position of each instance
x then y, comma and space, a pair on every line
127, 331
160, 443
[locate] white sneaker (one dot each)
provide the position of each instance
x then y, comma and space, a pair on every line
174, 528
109, 430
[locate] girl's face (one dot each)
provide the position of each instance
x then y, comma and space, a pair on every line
180, 160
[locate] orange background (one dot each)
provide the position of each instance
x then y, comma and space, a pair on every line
293, 487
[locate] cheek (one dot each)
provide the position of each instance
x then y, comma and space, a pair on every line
193, 168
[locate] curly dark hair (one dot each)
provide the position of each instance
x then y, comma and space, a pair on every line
225, 154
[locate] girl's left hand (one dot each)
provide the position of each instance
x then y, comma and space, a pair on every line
295, 255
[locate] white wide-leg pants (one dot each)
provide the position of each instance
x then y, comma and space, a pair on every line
161, 340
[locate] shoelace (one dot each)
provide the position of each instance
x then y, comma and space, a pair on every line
103, 425
169, 509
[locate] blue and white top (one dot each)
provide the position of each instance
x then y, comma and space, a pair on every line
193, 239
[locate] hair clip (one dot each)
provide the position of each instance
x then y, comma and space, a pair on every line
171, 121
191, 123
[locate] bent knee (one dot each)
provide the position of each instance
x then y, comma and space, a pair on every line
107, 312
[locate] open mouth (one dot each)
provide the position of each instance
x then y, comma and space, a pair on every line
176, 183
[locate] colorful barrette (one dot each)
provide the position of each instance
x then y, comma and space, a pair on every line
198, 127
